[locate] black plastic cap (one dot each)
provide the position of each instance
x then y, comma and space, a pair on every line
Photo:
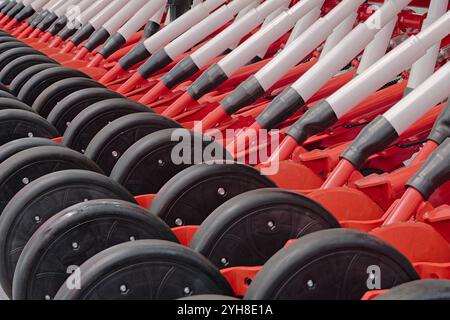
434, 172
84, 33
137, 54
113, 44
57, 26
34, 21
441, 128
314, 121
47, 21
150, 29
96, 39
25, 13
209, 80
281, 108
67, 32
375, 137
157, 61
178, 8
15, 10
245, 94
182, 71
8, 7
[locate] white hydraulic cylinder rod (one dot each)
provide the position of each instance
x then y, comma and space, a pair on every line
256, 43
141, 17
383, 71
97, 21
416, 104
347, 49
423, 68
303, 45
303, 24
124, 14
234, 33
94, 9
180, 25
339, 33
200, 31
378, 47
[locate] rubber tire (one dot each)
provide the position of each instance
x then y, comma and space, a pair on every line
193, 194
35, 163
301, 262
44, 79
13, 54
8, 95
8, 103
429, 290
187, 268
51, 96
11, 148
209, 297
14, 68
44, 198
6, 46
251, 227
20, 80
121, 134
95, 225
140, 169
90, 121
72, 105
16, 124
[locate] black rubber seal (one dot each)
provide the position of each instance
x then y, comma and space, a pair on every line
182, 71
434, 173
25, 13
47, 21
113, 44
441, 129
157, 61
375, 137
314, 121
82, 34
57, 26
96, 39
138, 54
245, 94
15, 10
66, 33
150, 29
8, 7
210, 79
281, 108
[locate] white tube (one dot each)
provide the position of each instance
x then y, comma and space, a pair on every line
269, 19
157, 17
234, 33
180, 25
339, 33
52, 6
239, 16
89, 13
378, 47
347, 49
38, 4
303, 45
124, 14
204, 28
98, 20
141, 17
399, 59
416, 104
61, 10
423, 68
303, 24
256, 43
